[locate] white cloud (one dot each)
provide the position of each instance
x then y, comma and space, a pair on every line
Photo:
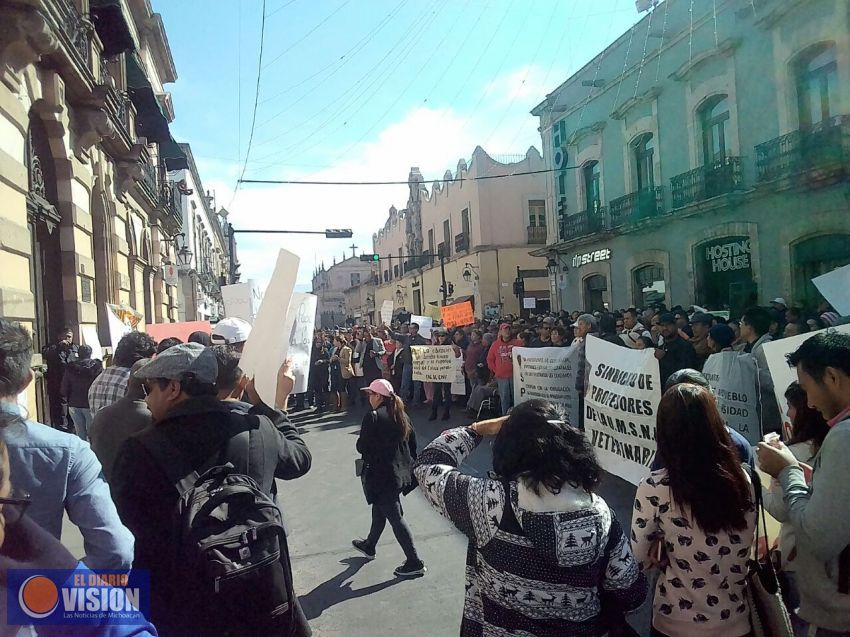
524, 84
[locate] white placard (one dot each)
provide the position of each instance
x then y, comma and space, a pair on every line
266, 347
458, 383
734, 382
425, 324
623, 391
835, 287
433, 363
88, 334
529, 303
548, 373
300, 323
117, 327
242, 300
386, 312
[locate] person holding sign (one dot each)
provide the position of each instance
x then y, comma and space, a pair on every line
443, 391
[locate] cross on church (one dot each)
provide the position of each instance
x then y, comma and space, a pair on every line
353, 248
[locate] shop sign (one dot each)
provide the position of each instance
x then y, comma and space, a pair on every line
727, 257
591, 257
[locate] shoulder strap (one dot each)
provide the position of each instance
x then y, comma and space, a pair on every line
756, 480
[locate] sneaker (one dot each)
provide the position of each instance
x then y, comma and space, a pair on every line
361, 546
411, 569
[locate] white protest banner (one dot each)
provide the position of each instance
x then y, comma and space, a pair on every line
386, 312
122, 320
88, 335
458, 382
266, 347
623, 392
300, 323
780, 373
425, 324
433, 363
835, 287
548, 373
734, 382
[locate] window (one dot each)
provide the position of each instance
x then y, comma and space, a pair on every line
464, 221
714, 118
400, 262
817, 85
643, 149
431, 243
395, 271
816, 256
592, 196
355, 279
386, 275
537, 213
648, 285
447, 238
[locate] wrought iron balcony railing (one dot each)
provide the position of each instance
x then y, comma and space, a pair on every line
75, 28
536, 234
636, 206
825, 146
149, 180
583, 224
705, 182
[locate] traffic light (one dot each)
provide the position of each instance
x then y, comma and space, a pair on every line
451, 288
338, 233
370, 258
519, 287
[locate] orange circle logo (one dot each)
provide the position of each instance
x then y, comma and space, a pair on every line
38, 596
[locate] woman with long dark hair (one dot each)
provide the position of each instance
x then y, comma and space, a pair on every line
546, 554
696, 519
387, 444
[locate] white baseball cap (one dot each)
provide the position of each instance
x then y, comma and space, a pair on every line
230, 331
779, 301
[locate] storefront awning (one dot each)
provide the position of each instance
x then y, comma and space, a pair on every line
111, 26
172, 155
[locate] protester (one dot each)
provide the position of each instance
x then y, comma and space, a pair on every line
559, 337
544, 333
695, 519
58, 470
794, 329
412, 391
371, 349
443, 391
754, 331
201, 338
546, 556
318, 378
500, 362
586, 325
57, 357
346, 371
471, 356
25, 546
193, 432
79, 375
165, 343
231, 331
674, 353
387, 445
817, 513
701, 324
112, 383
113, 424
608, 330
720, 339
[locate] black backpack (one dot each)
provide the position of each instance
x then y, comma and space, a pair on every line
231, 545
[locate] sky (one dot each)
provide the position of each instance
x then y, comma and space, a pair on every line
361, 90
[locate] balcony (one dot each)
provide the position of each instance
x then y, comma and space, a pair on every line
637, 206
149, 180
583, 224
170, 198
536, 235
824, 148
417, 262
462, 242
75, 29
705, 182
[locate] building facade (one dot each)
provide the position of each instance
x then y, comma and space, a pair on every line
703, 158
483, 228
87, 208
330, 286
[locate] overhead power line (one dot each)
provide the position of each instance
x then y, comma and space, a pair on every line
306, 35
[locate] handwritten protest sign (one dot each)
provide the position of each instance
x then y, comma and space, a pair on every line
386, 312
548, 373
623, 392
457, 315
300, 323
433, 363
734, 382
242, 300
425, 324
267, 345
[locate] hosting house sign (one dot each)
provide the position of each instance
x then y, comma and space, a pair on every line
591, 257
729, 256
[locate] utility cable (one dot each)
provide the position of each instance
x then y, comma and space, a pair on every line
307, 35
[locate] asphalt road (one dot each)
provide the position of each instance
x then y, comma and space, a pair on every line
342, 593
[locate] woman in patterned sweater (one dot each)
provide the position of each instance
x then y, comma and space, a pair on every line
546, 555
695, 519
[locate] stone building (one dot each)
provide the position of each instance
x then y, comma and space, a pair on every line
482, 227
703, 158
88, 210
330, 286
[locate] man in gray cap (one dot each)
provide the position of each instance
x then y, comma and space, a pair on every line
700, 325
585, 326
193, 431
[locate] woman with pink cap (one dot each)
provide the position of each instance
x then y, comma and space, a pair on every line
387, 445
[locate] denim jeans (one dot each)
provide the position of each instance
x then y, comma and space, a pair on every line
82, 418
506, 393
411, 390
381, 513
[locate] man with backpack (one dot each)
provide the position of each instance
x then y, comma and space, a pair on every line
195, 489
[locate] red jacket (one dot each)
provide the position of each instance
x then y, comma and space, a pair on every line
499, 358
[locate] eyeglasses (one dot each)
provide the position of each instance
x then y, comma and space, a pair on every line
145, 390
13, 508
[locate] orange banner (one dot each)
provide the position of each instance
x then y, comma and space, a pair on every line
457, 315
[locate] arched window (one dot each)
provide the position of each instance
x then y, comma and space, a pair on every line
815, 256
816, 78
713, 119
643, 149
595, 287
648, 285
592, 192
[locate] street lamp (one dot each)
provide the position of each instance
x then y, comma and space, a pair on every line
468, 270
184, 254
552, 265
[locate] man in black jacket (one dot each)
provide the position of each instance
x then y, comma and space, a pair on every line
187, 414
57, 357
676, 353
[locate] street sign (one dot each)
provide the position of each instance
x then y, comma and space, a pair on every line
169, 274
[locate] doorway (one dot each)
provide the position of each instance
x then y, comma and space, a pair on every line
595, 287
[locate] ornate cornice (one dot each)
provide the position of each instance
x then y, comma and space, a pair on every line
586, 131
622, 110
724, 49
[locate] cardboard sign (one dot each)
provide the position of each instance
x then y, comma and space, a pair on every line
458, 382
623, 392
386, 312
734, 382
835, 288
425, 324
548, 373
160, 331
457, 315
300, 323
88, 335
242, 300
265, 349
433, 363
